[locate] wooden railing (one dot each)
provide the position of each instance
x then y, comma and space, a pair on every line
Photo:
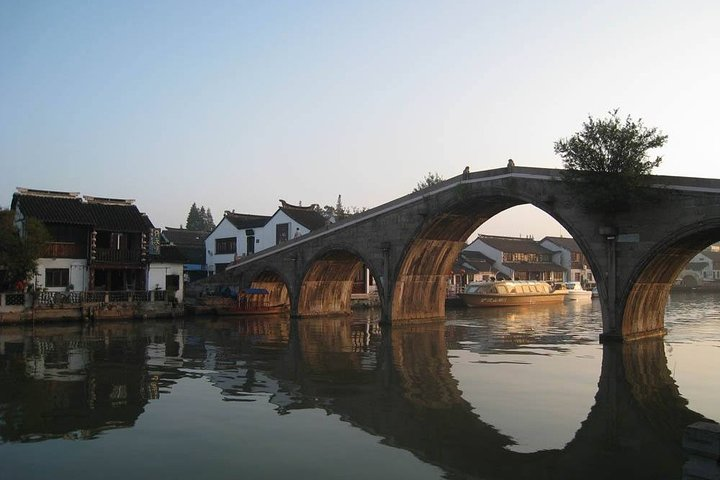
65, 250
74, 298
117, 256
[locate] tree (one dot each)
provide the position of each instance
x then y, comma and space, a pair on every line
199, 219
19, 252
607, 162
209, 222
194, 220
429, 180
339, 211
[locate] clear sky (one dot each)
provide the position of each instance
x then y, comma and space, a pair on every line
234, 105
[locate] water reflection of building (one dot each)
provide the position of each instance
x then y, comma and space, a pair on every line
396, 385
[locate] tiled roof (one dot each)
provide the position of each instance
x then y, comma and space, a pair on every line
171, 254
568, 243
193, 254
477, 260
305, 216
697, 266
514, 244
73, 210
184, 237
714, 256
242, 221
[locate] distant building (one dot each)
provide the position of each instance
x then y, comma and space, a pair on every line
700, 270
519, 258
97, 244
238, 234
571, 259
191, 245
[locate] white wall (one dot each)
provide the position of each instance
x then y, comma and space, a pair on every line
157, 273
225, 229
492, 253
267, 233
563, 257
79, 277
264, 238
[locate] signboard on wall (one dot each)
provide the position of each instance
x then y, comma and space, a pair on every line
154, 245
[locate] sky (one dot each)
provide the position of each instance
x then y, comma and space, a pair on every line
234, 105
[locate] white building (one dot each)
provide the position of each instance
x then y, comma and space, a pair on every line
242, 234
568, 254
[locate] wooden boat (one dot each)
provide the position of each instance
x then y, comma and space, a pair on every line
253, 301
509, 293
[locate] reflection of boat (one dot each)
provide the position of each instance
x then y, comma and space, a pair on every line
253, 301
508, 293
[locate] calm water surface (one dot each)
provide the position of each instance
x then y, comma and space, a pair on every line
490, 393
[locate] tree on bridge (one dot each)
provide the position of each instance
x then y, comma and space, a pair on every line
607, 162
339, 211
429, 180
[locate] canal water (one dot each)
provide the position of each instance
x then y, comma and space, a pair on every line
490, 393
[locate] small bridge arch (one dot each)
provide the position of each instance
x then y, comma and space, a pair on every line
326, 284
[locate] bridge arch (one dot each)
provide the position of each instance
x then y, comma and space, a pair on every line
429, 255
326, 285
650, 283
273, 281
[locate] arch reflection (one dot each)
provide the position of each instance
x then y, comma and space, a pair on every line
395, 384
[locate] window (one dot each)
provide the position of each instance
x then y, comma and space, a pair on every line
282, 231
225, 245
57, 277
250, 241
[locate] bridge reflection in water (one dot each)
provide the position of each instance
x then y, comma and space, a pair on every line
395, 384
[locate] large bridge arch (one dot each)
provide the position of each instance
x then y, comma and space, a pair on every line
326, 283
650, 283
429, 255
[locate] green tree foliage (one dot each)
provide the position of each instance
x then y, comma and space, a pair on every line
607, 161
199, 219
194, 220
339, 211
430, 179
19, 253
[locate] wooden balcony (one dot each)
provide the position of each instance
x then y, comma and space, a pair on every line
109, 255
65, 250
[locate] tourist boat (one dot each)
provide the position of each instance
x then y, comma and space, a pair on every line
253, 301
507, 293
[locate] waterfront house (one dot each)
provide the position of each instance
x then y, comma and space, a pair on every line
191, 245
105, 259
518, 258
97, 243
699, 271
234, 236
240, 234
470, 266
568, 255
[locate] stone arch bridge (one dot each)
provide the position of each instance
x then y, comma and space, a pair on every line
411, 243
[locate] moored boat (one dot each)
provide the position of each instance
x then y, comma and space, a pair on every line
507, 293
576, 292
